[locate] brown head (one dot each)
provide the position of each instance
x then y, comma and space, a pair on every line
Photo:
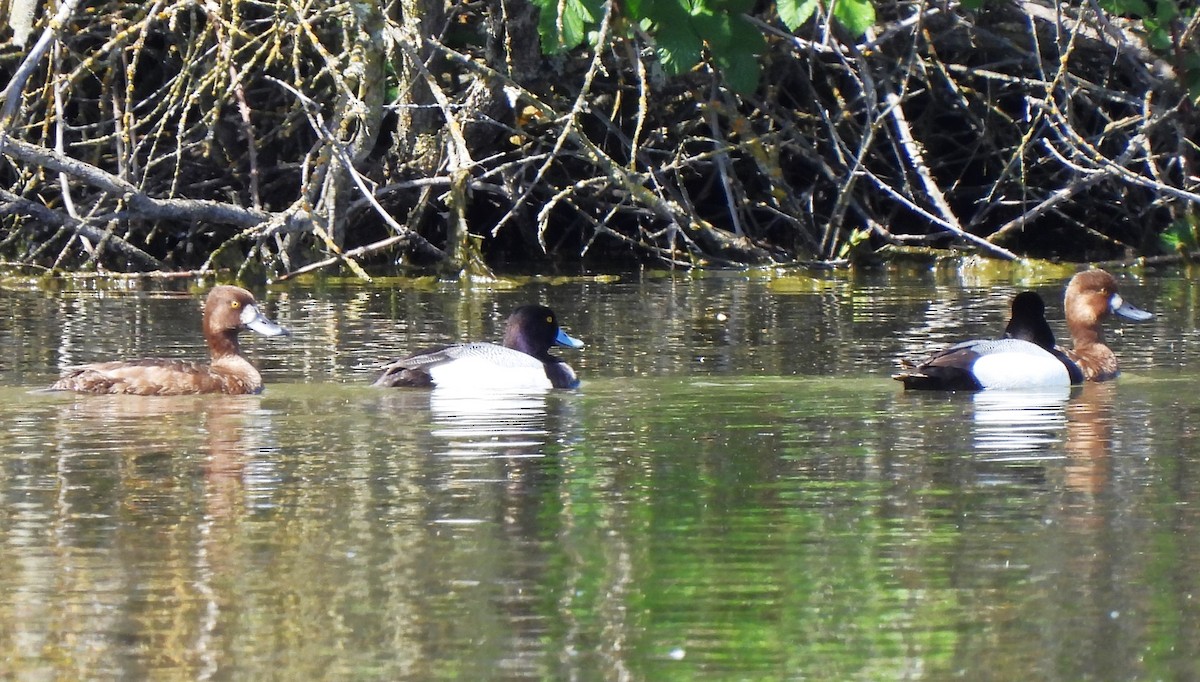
1091, 297
227, 311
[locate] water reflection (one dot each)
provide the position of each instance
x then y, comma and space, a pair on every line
500, 423
123, 486
1025, 430
736, 492
1019, 425
1089, 436
1072, 425
507, 441
492, 475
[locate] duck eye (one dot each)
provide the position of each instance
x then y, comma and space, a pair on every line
235, 304
550, 319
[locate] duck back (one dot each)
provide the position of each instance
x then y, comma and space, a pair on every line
976, 365
480, 365
522, 362
232, 375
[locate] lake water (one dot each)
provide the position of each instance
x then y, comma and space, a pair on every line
737, 491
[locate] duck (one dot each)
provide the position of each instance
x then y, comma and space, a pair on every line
522, 361
227, 311
1028, 323
1025, 358
1028, 320
1092, 295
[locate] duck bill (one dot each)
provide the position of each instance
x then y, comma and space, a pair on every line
255, 321
564, 339
1127, 311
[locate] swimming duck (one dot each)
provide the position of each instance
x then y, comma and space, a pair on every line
1028, 323
227, 311
522, 362
1025, 358
1020, 360
1091, 296
1028, 320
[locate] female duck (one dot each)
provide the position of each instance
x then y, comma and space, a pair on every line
227, 311
1025, 358
522, 362
1092, 296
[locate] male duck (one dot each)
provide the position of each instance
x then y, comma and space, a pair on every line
1028, 320
1027, 357
227, 311
523, 362
1028, 323
1023, 359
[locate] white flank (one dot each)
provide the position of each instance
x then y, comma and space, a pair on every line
1020, 369
484, 373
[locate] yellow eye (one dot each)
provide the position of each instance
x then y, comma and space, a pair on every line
235, 304
550, 319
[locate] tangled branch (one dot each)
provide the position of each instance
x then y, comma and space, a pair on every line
287, 137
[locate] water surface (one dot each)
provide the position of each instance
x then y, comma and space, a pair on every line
738, 491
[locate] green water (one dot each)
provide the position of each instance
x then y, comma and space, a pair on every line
737, 491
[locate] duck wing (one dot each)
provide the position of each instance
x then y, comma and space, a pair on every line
417, 370
151, 376
946, 370
975, 365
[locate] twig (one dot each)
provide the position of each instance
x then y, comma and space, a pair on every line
16, 84
13, 204
351, 254
140, 204
722, 162
404, 233
570, 120
916, 159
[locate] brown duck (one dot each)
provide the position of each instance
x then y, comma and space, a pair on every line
227, 311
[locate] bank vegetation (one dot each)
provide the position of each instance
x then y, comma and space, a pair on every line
272, 138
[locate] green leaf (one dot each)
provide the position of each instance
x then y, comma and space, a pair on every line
712, 28
733, 7
1190, 72
794, 13
1167, 11
1157, 35
741, 72
568, 31
739, 61
678, 46
855, 15
1135, 8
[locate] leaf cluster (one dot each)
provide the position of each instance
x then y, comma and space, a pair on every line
1170, 29
687, 32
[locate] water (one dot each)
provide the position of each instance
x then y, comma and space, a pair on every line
738, 491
